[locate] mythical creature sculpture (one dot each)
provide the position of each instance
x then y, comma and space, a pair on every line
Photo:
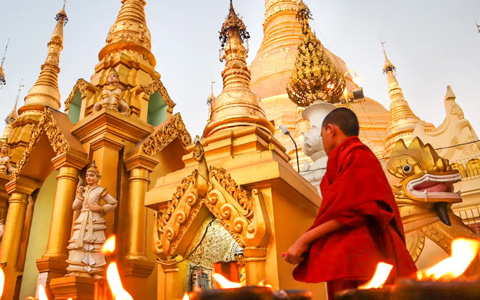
425, 194
88, 235
112, 95
5, 166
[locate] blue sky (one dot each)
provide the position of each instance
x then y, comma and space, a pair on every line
433, 43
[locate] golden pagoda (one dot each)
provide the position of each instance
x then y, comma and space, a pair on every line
123, 121
236, 180
273, 66
403, 121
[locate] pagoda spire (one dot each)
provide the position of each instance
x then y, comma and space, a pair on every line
402, 119
3, 80
45, 91
12, 116
236, 105
399, 108
130, 32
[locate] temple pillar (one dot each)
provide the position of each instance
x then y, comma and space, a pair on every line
53, 262
255, 259
12, 236
173, 282
133, 262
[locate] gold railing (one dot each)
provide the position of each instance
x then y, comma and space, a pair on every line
470, 216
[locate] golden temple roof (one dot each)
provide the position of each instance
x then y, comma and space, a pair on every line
236, 105
130, 32
45, 91
315, 76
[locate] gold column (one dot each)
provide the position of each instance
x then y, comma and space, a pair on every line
54, 259
255, 259
136, 220
12, 237
62, 214
173, 283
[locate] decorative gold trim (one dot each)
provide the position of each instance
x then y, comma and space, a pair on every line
81, 85
164, 135
242, 213
49, 126
157, 85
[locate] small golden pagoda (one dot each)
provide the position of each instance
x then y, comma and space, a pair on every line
403, 121
238, 177
123, 120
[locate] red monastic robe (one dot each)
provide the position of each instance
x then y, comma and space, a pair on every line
357, 194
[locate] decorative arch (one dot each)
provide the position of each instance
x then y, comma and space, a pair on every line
52, 125
243, 213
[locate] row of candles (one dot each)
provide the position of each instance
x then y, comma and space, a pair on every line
438, 282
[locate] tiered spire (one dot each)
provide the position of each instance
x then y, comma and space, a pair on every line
3, 80
130, 32
399, 108
403, 120
45, 91
12, 116
236, 105
315, 76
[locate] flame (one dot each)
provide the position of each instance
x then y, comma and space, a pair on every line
463, 253
185, 297
224, 282
265, 284
381, 275
113, 278
109, 246
2, 281
42, 295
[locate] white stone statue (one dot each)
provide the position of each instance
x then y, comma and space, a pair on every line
313, 145
112, 95
89, 228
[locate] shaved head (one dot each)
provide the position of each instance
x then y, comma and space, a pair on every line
345, 119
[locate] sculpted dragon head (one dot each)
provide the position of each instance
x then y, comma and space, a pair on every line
425, 178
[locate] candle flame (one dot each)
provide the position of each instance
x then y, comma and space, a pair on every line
185, 297
2, 281
381, 275
464, 251
42, 295
109, 246
265, 284
224, 282
356, 80
113, 278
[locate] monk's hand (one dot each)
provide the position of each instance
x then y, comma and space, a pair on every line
294, 254
96, 208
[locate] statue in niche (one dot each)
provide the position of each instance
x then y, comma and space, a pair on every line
5, 166
112, 96
88, 235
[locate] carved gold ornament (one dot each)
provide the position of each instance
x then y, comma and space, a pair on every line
164, 135
242, 213
49, 126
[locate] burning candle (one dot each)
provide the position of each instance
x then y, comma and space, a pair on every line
372, 290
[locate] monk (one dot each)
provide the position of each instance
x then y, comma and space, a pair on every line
358, 224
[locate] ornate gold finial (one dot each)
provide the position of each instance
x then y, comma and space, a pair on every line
315, 76
12, 116
130, 32
3, 80
236, 105
388, 65
45, 91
